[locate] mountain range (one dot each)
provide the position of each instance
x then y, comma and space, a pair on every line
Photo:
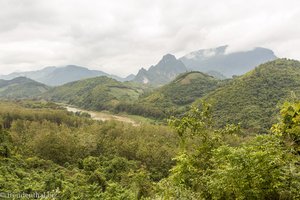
54, 76
215, 62
227, 64
251, 99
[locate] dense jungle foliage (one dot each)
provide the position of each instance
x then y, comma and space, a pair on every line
44, 148
254, 99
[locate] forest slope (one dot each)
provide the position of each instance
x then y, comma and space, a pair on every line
254, 98
100, 93
174, 97
21, 87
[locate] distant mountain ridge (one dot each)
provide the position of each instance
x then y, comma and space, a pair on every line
55, 76
214, 61
217, 60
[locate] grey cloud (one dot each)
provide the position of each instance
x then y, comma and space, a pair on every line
121, 36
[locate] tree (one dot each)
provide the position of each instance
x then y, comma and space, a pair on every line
198, 140
207, 167
262, 168
289, 126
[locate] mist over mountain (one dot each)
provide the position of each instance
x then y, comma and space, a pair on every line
216, 59
212, 61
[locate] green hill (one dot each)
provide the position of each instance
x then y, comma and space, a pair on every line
253, 98
100, 93
174, 97
21, 87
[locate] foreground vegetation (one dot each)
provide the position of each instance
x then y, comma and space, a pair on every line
48, 149
44, 148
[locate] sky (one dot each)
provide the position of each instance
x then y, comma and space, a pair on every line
121, 36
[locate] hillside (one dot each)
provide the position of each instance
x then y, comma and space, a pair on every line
253, 98
21, 87
236, 63
100, 93
174, 97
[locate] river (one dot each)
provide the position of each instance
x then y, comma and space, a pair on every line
103, 116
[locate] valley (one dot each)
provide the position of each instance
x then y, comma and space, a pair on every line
100, 138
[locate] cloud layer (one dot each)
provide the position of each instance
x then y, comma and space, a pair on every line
121, 36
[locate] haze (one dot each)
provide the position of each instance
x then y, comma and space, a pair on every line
121, 36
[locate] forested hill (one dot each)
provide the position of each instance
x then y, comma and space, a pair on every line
174, 97
254, 98
100, 93
21, 87
184, 89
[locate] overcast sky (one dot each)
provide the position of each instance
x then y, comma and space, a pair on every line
121, 36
